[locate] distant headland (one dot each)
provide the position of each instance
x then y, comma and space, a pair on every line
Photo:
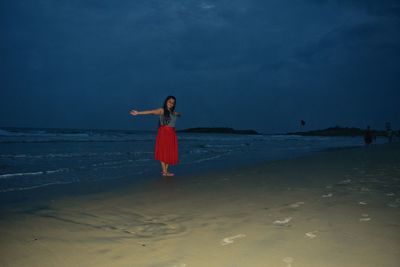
222, 130
338, 131
332, 131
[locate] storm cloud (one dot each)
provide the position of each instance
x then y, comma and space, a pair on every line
245, 64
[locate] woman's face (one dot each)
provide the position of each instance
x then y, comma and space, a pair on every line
170, 103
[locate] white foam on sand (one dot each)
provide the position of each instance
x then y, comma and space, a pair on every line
283, 221
312, 234
231, 239
297, 204
288, 261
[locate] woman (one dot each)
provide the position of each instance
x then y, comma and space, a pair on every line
166, 149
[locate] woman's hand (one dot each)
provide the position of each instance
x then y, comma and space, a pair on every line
134, 112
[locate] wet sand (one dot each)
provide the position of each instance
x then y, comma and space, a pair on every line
336, 208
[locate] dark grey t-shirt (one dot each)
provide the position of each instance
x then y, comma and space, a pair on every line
171, 121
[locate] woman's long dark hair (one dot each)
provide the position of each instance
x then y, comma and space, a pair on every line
167, 117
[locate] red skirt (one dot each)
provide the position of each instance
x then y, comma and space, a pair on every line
166, 149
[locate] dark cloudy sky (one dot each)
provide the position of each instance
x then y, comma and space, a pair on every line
261, 64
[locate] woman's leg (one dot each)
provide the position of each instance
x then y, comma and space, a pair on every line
168, 173
164, 168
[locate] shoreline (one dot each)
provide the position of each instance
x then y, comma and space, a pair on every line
79, 188
48, 193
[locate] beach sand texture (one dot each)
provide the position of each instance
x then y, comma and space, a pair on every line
336, 208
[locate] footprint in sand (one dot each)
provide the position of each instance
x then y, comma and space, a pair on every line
121, 221
296, 205
230, 240
312, 234
283, 222
327, 195
288, 261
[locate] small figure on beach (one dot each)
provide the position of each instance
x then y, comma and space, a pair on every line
368, 136
166, 147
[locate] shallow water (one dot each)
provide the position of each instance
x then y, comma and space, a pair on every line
32, 158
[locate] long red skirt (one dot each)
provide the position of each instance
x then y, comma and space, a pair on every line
166, 149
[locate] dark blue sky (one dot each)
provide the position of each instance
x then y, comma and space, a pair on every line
241, 63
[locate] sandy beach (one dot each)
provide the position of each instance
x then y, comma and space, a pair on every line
334, 208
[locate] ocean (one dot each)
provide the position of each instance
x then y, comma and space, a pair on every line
34, 158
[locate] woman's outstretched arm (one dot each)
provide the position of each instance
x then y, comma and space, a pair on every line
147, 112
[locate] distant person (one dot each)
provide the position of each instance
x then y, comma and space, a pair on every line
368, 136
166, 147
389, 132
